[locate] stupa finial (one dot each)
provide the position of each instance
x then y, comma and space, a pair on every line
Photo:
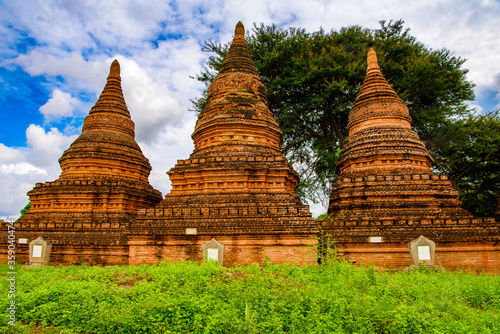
372, 61
114, 70
240, 29
238, 57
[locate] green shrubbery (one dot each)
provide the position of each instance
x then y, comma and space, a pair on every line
189, 298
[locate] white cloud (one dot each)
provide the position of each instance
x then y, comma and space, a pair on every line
60, 105
82, 25
47, 147
150, 103
21, 168
173, 144
77, 72
8, 154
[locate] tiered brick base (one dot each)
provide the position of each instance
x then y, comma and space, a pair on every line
93, 238
358, 197
250, 233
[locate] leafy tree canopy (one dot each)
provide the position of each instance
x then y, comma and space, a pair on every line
314, 78
468, 150
25, 209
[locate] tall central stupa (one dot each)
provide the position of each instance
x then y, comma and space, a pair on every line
236, 186
237, 141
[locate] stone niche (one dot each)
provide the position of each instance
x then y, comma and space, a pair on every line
39, 252
422, 251
213, 251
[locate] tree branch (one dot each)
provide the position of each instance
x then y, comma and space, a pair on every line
488, 157
289, 146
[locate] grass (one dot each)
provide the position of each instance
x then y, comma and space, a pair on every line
190, 298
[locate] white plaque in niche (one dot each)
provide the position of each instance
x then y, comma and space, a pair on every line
375, 239
37, 251
212, 254
190, 231
22, 241
424, 252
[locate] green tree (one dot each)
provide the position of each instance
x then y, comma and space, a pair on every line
25, 209
314, 78
468, 150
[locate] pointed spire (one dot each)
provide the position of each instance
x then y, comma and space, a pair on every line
372, 61
114, 70
111, 98
110, 107
107, 134
238, 57
376, 100
237, 112
239, 31
380, 124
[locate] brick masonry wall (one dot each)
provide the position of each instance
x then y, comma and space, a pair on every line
239, 249
470, 244
470, 256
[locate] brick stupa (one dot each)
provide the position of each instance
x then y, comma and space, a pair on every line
386, 191
384, 168
104, 181
236, 186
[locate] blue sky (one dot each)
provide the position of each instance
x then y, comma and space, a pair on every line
55, 56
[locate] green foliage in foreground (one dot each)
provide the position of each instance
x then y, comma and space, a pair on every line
191, 298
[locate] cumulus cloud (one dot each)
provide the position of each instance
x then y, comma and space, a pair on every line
13, 195
21, 168
150, 103
47, 147
16, 179
77, 72
96, 23
60, 105
173, 143
8, 154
